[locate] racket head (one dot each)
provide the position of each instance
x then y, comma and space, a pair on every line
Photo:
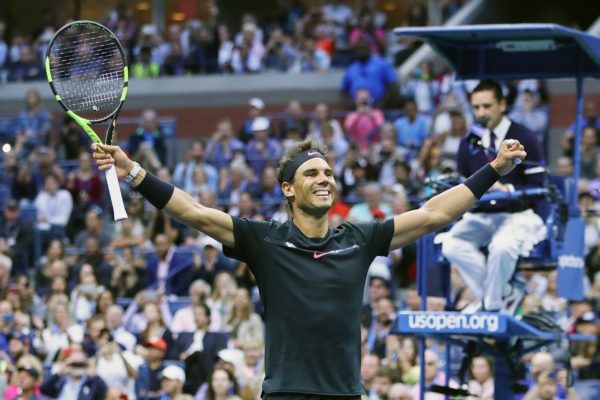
87, 71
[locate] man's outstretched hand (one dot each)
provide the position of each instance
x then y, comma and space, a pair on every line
510, 150
112, 155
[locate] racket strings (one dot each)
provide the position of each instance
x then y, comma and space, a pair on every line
88, 71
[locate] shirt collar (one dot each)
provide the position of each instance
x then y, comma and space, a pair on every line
502, 128
500, 131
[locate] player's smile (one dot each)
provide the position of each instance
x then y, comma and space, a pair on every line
322, 193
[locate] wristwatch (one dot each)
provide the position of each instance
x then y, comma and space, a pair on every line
133, 173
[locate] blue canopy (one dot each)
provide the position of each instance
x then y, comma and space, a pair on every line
513, 51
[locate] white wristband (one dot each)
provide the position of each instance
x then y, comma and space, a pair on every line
133, 173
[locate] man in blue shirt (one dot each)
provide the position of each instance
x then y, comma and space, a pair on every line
183, 175
372, 72
223, 145
411, 129
149, 137
262, 150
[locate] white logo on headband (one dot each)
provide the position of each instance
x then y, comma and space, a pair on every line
313, 153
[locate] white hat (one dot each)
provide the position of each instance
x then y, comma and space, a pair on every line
379, 269
257, 103
208, 241
174, 372
149, 29
260, 124
234, 357
6, 262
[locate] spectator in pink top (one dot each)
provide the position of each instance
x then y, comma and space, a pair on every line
364, 124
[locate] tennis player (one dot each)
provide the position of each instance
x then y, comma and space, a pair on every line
310, 275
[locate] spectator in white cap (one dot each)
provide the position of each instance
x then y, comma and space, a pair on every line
257, 103
5, 268
377, 287
172, 380
212, 260
262, 150
256, 108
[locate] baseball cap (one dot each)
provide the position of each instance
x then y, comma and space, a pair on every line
157, 343
174, 372
35, 374
231, 356
378, 214
454, 109
208, 241
19, 336
379, 269
12, 204
257, 103
6, 262
260, 124
587, 317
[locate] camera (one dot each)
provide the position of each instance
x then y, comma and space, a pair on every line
88, 288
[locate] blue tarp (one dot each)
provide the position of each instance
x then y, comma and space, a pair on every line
513, 51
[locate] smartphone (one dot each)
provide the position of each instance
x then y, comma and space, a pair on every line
150, 295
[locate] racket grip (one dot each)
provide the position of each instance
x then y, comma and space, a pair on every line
112, 180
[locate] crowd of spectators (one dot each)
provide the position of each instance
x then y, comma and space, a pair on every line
303, 37
147, 308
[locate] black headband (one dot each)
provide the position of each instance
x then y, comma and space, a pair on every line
292, 165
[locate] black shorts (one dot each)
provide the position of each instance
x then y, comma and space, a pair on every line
306, 396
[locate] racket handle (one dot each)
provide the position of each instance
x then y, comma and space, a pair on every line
114, 191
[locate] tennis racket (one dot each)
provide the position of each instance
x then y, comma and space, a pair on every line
87, 72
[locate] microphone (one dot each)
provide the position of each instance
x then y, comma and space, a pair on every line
475, 134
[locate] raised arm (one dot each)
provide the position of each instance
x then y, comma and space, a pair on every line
444, 208
175, 203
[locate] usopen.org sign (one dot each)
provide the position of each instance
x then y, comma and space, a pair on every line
450, 322
571, 261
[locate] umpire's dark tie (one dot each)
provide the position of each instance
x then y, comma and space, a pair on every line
492, 141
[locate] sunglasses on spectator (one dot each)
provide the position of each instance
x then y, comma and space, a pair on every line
78, 364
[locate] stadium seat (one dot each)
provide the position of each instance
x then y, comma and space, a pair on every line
28, 214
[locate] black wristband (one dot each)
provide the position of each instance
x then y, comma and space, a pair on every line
482, 180
156, 191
